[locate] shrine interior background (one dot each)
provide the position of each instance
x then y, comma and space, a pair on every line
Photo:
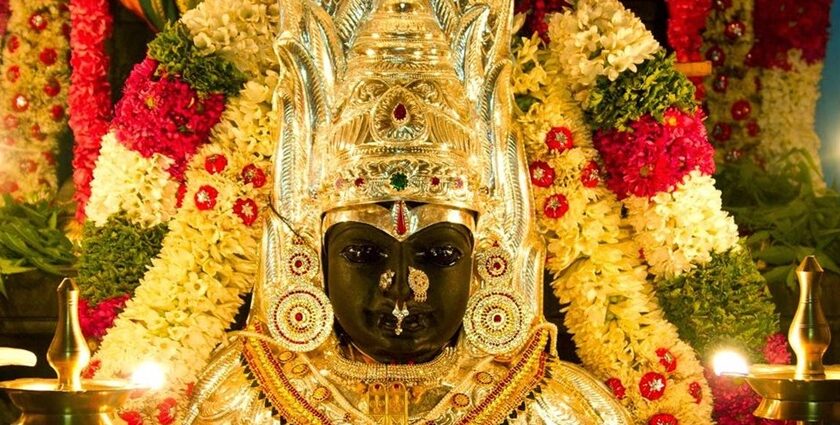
799, 195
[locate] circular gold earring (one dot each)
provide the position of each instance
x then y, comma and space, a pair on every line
418, 281
386, 279
497, 320
300, 318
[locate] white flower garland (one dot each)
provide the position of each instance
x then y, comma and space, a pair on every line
126, 182
598, 38
680, 230
789, 104
209, 257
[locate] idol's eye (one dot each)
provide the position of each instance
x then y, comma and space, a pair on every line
363, 254
441, 256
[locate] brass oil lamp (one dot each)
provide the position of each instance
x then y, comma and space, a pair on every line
68, 400
808, 392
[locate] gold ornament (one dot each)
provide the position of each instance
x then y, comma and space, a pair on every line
386, 279
494, 264
400, 314
497, 321
418, 281
300, 318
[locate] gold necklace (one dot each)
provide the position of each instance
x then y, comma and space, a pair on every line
356, 371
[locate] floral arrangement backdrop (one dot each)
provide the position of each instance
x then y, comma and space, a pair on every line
34, 77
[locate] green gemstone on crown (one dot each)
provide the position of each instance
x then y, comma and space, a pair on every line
399, 181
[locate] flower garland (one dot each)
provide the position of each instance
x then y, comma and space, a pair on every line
4, 19
90, 93
33, 81
192, 291
592, 255
686, 23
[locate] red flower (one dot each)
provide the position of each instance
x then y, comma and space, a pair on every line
653, 157
590, 176
13, 43
252, 174
9, 187
205, 197
166, 411
176, 125
246, 210
663, 419
652, 385
20, 103
721, 132
132, 417
559, 139
555, 206
696, 391
215, 163
52, 88
57, 112
686, 23
91, 369
741, 109
48, 56
13, 73
776, 349
179, 195
38, 22
666, 359
96, 320
618, 390
542, 175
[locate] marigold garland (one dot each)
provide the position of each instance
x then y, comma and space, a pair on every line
90, 93
33, 88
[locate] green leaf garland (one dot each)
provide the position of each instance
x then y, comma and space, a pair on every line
115, 257
654, 87
175, 51
724, 303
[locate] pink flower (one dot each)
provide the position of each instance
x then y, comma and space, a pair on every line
653, 157
96, 320
775, 349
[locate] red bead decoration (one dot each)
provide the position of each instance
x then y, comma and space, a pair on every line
741, 109
753, 128
57, 112
38, 22
52, 88
246, 210
13, 43
559, 139
359, 182
48, 56
590, 176
716, 55
215, 164
652, 385
205, 197
252, 174
13, 73
734, 30
400, 112
542, 175
666, 359
721, 83
696, 391
721, 132
435, 181
555, 206
618, 390
663, 419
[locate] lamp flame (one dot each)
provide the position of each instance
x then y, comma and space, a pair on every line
730, 363
149, 375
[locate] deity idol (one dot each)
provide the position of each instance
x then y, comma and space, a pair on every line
401, 276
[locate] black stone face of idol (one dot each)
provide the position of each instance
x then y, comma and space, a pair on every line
356, 256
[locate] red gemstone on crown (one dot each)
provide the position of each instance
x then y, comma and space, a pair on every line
497, 318
400, 113
298, 316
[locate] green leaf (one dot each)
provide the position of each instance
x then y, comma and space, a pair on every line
777, 255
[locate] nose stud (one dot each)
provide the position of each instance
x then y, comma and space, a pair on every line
418, 281
386, 279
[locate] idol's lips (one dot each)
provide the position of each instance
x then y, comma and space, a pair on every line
412, 323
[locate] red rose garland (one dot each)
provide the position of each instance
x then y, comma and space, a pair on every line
686, 23
95, 321
90, 94
784, 25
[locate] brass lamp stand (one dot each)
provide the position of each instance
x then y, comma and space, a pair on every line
808, 392
68, 400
